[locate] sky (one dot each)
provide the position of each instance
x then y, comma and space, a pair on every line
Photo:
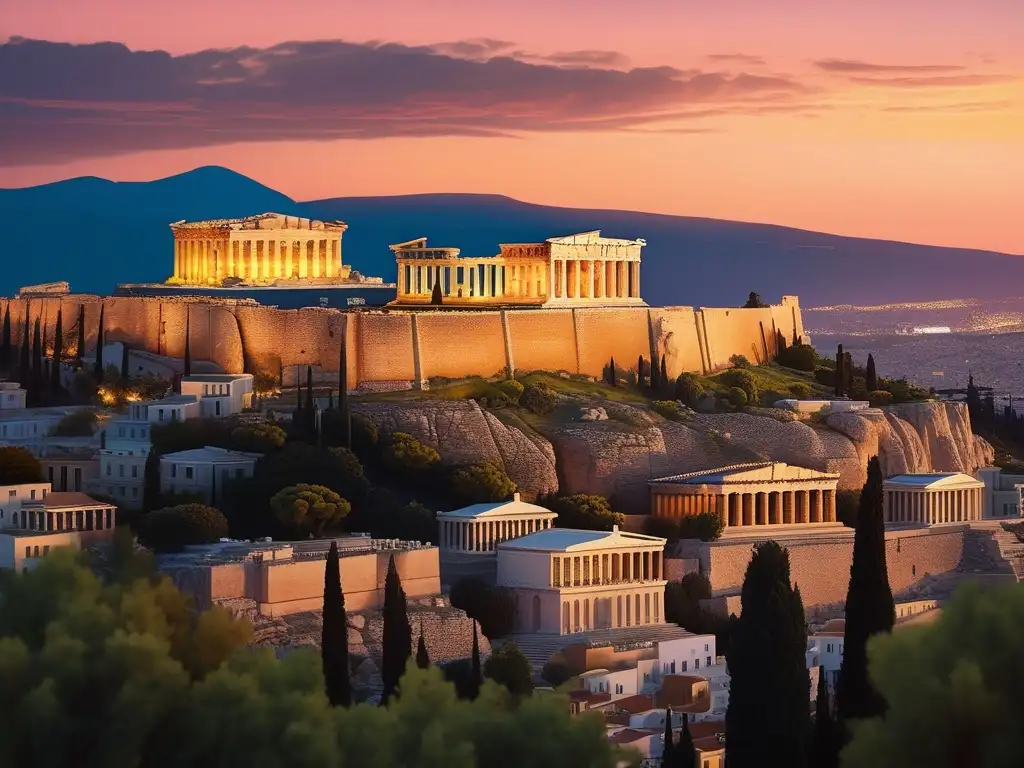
896, 119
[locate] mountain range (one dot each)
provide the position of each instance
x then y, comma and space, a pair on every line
96, 233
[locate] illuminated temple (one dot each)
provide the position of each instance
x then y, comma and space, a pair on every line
583, 269
261, 249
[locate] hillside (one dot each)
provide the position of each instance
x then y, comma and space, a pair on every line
96, 233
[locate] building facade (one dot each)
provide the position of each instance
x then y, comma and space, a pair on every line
569, 581
933, 498
585, 269
750, 496
219, 394
1002, 493
12, 396
205, 472
258, 249
34, 520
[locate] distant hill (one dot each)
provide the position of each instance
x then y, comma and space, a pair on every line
96, 233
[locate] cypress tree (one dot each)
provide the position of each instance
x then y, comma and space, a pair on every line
98, 372
422, 657
24, 352
612, 375
36, 387
436, 297
396, 644
58, 353
663, 381
309, 409
826, 746
188, 342
151, 483
869, 605
334, 638
5, 343
668, 752
685, 753
640, 372
475, 672
840, 375
124, 364
655, 373
847, 373
870, 377
80, 349
769, 707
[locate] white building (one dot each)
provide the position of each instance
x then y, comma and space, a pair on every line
205, 472
12, 396
569, 581
33, 520
122, 459
20, 426
1002, 493
219, 394
687, 655
933, 498
167, 410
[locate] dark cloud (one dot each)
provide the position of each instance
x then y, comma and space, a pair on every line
476, 48
853, 67
589, 58
60, 101
737, 58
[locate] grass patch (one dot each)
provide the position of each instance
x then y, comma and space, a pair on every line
771, 379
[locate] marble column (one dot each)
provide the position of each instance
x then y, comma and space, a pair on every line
762, 509
819, 507
622, 280
563, 275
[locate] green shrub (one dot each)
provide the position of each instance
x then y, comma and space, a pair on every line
404, 453
741, 379
18, 465
801, 357
879, 398
584, 511
257, 438
737, 397
800, 390
825, 376
538, 398
556, 673
173, 528
481, 482
309, 508
669, 409
662, 527
512, 389
77, 424
739, 361
706, 526
689, 389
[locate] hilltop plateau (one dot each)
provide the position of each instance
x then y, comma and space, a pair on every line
99, 233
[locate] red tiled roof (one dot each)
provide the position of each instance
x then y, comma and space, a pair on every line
628, 736
72, 499
633, 704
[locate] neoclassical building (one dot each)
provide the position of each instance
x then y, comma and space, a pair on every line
933, 498
583, 269
258, 249
568, 581
749, 496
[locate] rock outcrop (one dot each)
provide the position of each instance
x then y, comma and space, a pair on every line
464, 433
616, 454
447, 632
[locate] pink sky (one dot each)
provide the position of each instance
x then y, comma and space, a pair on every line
901, 119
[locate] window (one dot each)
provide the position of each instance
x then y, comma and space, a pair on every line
32, 494
108, 469
135, 471
708, 660
217, 408
120, 470
78, 478
133, 433
49, 474
11, 494
123, 491
618, 688
706, 648
672, 667
160, 415
828, 648
63, 478
174, 470
647, 677
28, 551
188, 473
135, 491
696, 663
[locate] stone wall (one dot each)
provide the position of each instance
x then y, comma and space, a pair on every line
400, 346
820, 565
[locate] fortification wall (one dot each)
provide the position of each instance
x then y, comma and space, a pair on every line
821, 567
407, 346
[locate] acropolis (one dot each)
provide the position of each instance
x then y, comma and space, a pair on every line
584, 269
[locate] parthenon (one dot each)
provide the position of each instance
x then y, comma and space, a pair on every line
582, 269
258, 249
749, 495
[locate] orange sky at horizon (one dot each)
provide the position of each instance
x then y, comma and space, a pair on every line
905, 119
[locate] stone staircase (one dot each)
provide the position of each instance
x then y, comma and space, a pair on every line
539, 648
1010, 549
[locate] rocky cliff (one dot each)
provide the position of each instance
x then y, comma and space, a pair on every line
613, 448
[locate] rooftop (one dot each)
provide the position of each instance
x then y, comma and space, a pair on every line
171, 400
570, 540
68, 500
253, 222
217, 377
934, 480
34, 414
514, 508
746, 473
212, 455
629, 735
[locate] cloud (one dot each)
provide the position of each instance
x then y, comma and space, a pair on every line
850, 66
589, 58
737, 58
961, 107
951, 81
60, 102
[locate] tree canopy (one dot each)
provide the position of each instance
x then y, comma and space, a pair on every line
583, 511
404, 453
128, 676
18, 466
508, 666
953, 688
309, 509
258, 438
172, 528
481, 482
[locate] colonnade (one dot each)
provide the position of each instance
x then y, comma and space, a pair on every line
625, 609
594, 279
485, 535
605, 568
68, 520
752, 508
462, 279
267, 258
933, 507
